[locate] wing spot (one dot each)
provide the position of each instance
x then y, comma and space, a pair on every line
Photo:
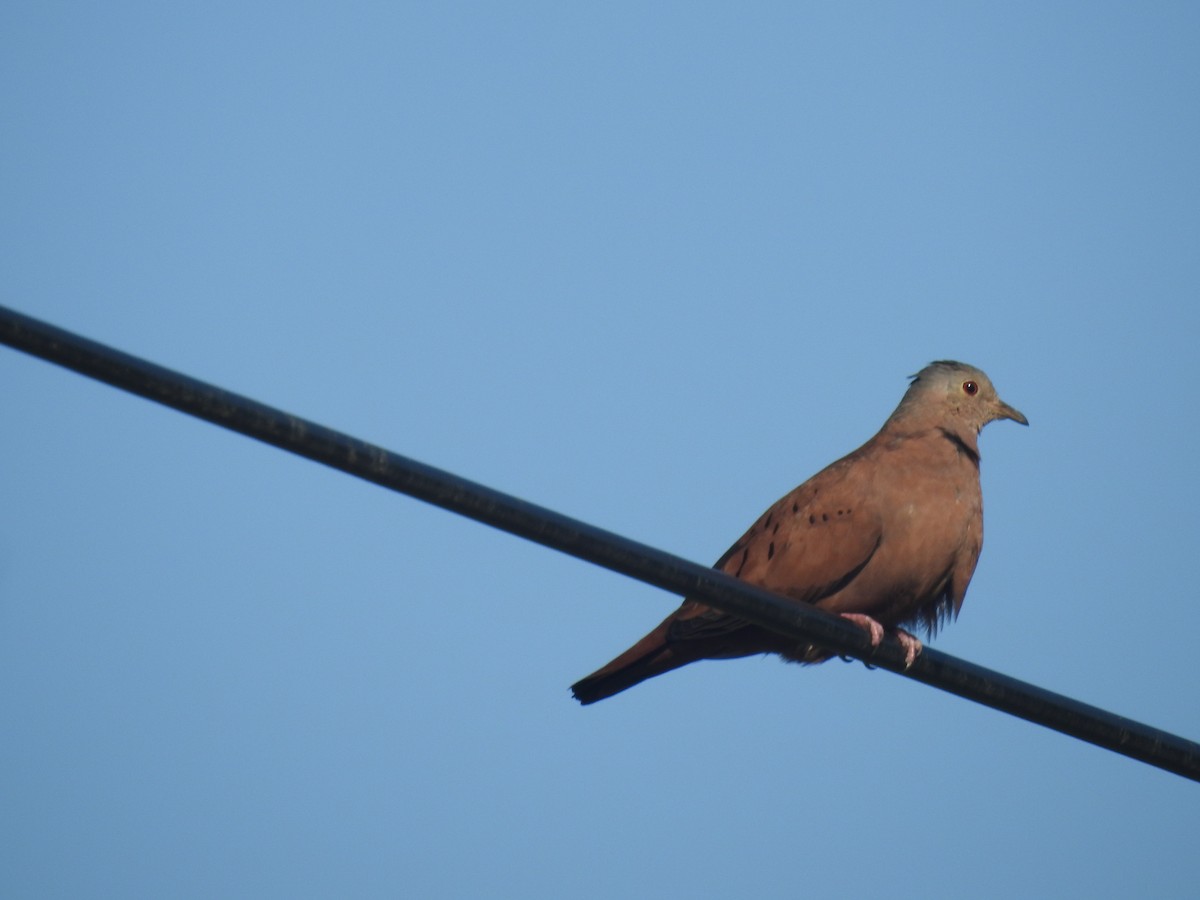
812, 520
770, 549
824, 517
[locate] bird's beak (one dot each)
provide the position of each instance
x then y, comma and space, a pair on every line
1004, 411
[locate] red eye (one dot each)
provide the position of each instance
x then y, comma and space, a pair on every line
970, 388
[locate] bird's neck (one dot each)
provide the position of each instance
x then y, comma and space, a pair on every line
908, 422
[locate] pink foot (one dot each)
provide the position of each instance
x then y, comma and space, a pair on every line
912, 646
875, 629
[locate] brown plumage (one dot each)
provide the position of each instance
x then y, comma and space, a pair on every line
887, 536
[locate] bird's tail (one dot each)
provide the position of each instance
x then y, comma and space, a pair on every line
650, 656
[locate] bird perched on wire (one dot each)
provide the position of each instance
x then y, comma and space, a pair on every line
886, 537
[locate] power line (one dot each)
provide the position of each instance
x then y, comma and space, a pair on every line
604, 548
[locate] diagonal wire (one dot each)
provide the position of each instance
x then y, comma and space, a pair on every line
645, 563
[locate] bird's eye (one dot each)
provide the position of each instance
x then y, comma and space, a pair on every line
970, 388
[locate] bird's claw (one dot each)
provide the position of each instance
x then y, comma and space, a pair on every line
870, 625
912, 646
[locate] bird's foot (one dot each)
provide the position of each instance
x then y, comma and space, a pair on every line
912, 646
866, 622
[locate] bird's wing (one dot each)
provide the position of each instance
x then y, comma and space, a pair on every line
809, 545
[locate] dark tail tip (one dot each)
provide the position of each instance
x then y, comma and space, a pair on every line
619, 675
585, 693
593, 689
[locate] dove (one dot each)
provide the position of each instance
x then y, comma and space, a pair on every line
887, 537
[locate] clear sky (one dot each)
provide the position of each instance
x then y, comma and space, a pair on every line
650, 265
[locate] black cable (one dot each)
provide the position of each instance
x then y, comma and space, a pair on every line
645, 563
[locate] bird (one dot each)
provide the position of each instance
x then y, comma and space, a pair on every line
887, 537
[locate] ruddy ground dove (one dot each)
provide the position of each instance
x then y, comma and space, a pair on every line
887, 536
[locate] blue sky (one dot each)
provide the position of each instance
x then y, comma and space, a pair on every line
650, 266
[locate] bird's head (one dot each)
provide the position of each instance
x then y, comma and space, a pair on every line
957, 397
